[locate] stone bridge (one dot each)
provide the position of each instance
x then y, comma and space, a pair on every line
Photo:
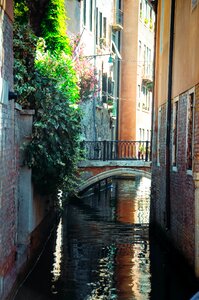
96, 171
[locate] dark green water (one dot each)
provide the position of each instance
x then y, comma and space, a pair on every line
101, 250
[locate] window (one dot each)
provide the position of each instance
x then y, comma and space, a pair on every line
149, 62
146, 9
143, 134
104, 87
144, 56
140, 51
96, 27
146, 98
100, 20
140, 133
141, 9
158, 135
84, 12
175, 133
138, 91
194, 3
138, 95
104, 28
91, 15
190, 127
147, 135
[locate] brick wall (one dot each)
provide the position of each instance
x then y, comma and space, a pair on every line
182, 195
25, 217
158, 185
196, 134
8, 150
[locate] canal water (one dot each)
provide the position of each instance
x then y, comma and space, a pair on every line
101, 250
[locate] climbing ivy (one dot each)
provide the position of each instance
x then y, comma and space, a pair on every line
54, 27
24, 45
46, 81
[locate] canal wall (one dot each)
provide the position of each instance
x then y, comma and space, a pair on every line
25, 217
173, 208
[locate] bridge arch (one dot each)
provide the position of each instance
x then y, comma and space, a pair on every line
112, 173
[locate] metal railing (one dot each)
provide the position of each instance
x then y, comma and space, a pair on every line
117, 150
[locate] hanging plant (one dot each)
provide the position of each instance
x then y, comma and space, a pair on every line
45, 80
86, 73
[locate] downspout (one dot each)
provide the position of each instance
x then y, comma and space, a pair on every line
154, 66
168, 131
94, 95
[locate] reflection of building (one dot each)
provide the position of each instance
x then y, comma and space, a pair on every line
102, 258
136, 71
175, 171
132, 258
99, 24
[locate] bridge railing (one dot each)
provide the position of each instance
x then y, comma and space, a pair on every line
117, 150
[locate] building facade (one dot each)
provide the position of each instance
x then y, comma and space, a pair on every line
99, 24
175, 166
8, 151
24, 215
135, 102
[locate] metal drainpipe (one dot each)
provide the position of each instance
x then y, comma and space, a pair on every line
153, 99
168, 132
94, 96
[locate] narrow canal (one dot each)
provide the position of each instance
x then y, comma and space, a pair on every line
101, 250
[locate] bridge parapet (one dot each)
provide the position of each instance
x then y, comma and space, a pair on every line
99, 176
104, 159
117, 150
95, 171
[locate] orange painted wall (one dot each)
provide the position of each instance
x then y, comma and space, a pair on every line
162, 52
127, 105
186, 47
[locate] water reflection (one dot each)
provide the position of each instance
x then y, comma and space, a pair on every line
132, 259
102, 250
108, 247
58, 253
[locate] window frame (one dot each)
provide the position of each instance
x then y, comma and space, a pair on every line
175, 123
190, 92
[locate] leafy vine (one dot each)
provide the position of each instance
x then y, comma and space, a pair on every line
45, 80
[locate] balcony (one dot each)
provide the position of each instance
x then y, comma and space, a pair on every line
118, 20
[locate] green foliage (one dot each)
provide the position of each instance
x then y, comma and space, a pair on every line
54, 150
60, 69
54, 27
47, 83
24, 45
21, 11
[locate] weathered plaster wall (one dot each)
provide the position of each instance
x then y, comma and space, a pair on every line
103, 122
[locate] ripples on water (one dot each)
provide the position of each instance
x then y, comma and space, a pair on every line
108, 243
102, 250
